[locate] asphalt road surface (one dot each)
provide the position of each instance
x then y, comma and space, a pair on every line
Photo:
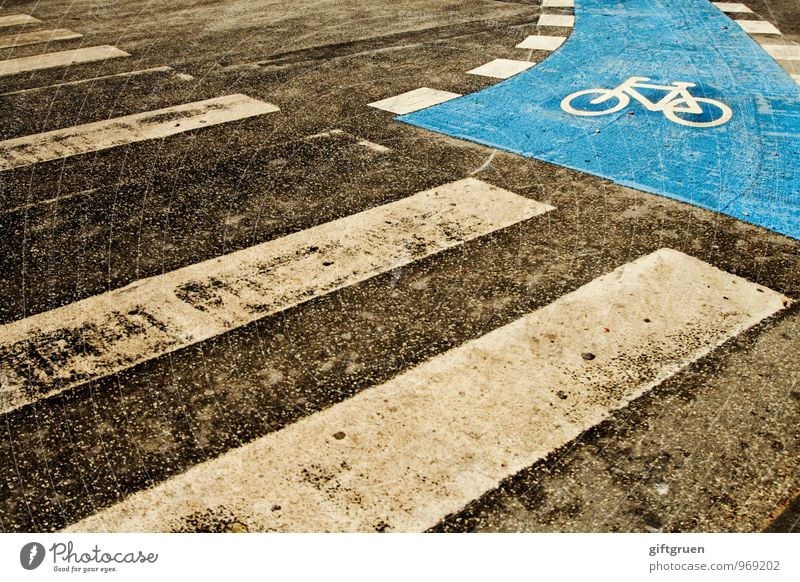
239, 293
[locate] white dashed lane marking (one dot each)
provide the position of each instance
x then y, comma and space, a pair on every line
414, 100
49, 352
60, 59
403, 455
783, 52
501, 68
17, 19
757, 27
38, 36
733, 7
558, 3
556, 20
91, 137
542, 42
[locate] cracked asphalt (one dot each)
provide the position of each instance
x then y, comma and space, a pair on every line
713, 448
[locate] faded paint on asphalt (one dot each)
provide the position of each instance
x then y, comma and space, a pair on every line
52, 351
403, 455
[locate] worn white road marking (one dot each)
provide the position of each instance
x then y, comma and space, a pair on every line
100, 135
375, 147
414, 100
796, 78
757, 26
558, 3
17, 19
37, 36
60, 59
403, 455
783, 52
92, 80
49, 352
556, 20
542, 42
371, 145
501, 68
733, 7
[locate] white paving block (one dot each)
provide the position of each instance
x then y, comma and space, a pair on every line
556, 20
733, 7
414, 100
542, 42
501, 68
783, 52
558, 3
757, 26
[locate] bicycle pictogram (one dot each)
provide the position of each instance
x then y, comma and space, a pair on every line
677, 101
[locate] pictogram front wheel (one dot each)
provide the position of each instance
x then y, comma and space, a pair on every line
613, 99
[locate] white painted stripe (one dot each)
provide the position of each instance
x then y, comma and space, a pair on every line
414, 100
733, 7
107, 333
542, 42
60, 59
371, 145
375, 147
796, 78
558, 3
783, 52
403, 455
92, 80
17, 19
757, 26
37, 36
556, 20
501, 68
100, 135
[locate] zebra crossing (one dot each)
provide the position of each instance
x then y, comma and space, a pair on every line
397, 454
403, 455
172, 311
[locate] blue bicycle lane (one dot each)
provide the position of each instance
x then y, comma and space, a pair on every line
746, 168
